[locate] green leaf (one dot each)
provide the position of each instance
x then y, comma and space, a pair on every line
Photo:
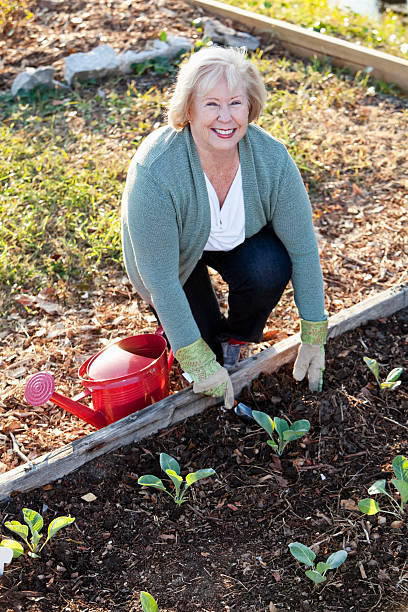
151, 481
18, 528
57, 524
368, 506
33, 555
265, 421
394, 374
302, 553
289, 435
373, 365
302, 426
194, 476
167, 462
177, 480
336, 559
402, 487
163, 35
281, 426
400, 467
322, 567
378, 487
35, 538
273, 444
15, 546
390, 385
315, 576
33, 520
148, 602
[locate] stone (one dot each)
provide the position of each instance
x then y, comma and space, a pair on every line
31, 78
129, 58
220, 33
170, 49
101, 61
177, 44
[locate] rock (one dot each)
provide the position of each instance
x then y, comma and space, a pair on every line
31, 78
129, 58
177, 44
99, 62
170, 49
220, 33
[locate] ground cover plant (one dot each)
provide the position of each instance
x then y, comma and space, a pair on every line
318, 571
388, 33
228, 547
171, 468
34, 521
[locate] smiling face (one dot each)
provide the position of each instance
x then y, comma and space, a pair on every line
219, 118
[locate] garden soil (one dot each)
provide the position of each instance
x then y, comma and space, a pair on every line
226, 548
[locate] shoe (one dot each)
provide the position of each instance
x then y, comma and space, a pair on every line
231, 351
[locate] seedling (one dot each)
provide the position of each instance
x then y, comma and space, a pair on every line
35, 523
170, 466
279, 427
148, 602
317, 573
370, 506
391, 382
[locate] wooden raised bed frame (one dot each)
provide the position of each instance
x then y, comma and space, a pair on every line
306, 43
177, 407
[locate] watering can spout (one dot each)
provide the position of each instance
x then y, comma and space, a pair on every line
40, 389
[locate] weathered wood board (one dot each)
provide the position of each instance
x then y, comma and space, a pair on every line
306, 43
177, 407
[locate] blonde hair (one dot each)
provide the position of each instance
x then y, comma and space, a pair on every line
204, 69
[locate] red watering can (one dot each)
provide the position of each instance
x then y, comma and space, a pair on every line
124, 377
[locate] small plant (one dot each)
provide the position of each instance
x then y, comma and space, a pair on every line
317, 573
391, 382
148, 602
170, 466
370, 506
35, 523
285, 432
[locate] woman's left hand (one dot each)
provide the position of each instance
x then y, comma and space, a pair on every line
310, 361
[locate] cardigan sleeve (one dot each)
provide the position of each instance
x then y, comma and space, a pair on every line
293, 224
151, 244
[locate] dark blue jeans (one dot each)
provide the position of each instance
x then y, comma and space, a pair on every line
256, 271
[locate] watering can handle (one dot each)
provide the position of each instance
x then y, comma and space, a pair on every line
160, 332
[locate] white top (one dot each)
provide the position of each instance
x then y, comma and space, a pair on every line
227, 223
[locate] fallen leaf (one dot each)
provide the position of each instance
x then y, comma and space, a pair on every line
89, 497
348, 504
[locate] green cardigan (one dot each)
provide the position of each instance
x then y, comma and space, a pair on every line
166, 222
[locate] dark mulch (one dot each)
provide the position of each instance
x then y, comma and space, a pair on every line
227, 548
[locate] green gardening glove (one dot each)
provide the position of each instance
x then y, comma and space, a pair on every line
210, 378
310, 357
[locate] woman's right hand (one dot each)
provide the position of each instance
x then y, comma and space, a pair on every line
210, 378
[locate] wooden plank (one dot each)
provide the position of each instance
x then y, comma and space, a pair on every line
177, 407
306, 43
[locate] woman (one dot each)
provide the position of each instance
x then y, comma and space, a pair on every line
213, 189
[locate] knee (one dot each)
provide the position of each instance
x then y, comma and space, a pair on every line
272, 283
